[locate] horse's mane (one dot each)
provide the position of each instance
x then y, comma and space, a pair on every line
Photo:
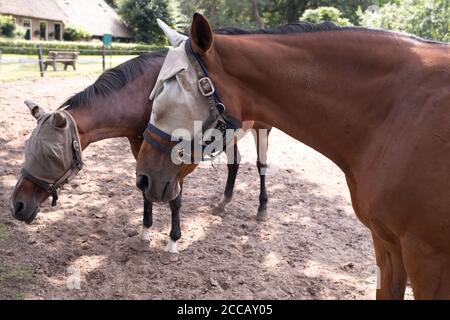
305, 27
114, 79
296, 27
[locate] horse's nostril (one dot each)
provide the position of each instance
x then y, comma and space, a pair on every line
142, 182
18, 207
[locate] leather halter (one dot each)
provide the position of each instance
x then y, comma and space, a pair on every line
217, 112
75, 166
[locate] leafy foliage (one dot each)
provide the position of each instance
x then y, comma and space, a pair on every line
75, 33
259, 13
425, 18
140, 16
247, 13
7, 26
323, 14
112, 3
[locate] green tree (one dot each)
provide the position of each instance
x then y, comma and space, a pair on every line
323, 14
269, 13
112, 3
141, 15
222, 13
276, 12
425, 18
7, 26
265, 13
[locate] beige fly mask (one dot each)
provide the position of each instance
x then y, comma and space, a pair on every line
177, 101
186, 106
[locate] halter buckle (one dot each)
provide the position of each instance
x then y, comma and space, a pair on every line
206, 86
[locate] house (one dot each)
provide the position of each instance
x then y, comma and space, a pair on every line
46, 19
41, 19
96, 16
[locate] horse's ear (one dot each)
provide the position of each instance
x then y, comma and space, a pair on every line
175, 38
59, 120
201, 34
35, 110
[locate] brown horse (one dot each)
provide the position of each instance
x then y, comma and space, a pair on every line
116, 105
376, 103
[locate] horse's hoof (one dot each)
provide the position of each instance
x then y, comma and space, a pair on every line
262, 215
168, 257
145, 234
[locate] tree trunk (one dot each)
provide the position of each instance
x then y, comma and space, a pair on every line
294, 9
256, 16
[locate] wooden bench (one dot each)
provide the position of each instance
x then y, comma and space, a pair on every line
68, 58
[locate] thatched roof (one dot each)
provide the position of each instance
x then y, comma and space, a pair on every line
96, 16
40, 9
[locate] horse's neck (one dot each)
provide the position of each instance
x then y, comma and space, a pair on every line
124, 113
330, 90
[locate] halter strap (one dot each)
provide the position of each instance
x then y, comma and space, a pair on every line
163, 135
216, 106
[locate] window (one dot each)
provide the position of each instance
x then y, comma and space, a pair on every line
27, 27
57, 31
43, 30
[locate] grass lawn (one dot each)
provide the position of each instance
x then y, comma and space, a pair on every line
15, 67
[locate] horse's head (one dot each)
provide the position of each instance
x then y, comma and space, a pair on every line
52, 156
185, 115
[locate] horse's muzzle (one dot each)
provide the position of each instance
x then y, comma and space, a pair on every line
156, 191
21, 212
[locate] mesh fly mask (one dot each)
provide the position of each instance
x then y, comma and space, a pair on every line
218, 117
53, 153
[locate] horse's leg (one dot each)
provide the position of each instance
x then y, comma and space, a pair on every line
231, 179
135, 144
262, 145
428, 269
175, 232
393, 275
148, 219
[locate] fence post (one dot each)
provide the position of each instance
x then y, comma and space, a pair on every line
103, 57
41, 66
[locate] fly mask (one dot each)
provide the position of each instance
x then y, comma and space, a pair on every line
184, 91
53, 152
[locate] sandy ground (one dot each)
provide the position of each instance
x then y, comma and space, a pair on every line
312, 246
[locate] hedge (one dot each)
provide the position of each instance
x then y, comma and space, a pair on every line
85, 48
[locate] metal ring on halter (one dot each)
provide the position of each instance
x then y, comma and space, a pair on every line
220, 107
